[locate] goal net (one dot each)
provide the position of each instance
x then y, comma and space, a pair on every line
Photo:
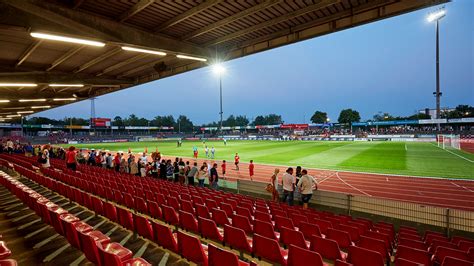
449, 141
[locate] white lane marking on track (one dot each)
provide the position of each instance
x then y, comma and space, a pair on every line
460, 156
363, 192
462, 187
386, 179
326, 178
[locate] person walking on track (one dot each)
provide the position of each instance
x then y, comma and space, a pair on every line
236, 161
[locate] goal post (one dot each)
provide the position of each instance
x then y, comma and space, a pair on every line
449, 141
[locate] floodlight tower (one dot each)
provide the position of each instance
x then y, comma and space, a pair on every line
437, 16
219, 70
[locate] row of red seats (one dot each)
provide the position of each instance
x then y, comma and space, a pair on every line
434, 248
95, 245
180, 243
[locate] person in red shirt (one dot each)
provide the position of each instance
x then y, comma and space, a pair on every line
117, 160
236, 161
251, 168
223, 166
71, 158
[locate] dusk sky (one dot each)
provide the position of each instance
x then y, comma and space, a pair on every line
386, 66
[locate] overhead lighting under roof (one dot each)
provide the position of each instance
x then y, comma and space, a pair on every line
191, 58
4, 101
18, 85
66, 39
128, 48
13, 115
41, 107
13, 108
67, 85
25, 112
64, 99
32, 100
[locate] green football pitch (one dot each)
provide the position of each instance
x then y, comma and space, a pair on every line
403, 158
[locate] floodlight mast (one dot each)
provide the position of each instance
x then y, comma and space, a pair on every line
218, 69
437, 16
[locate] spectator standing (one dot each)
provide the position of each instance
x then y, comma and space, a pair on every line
10, 146
213, 151
28, 150
274, 182
45, 158
306, 185
298, 174
251, 169
206, 150
193, 173
202, 175
175, 171
214, 177
223, 167
123, 166
117, 161
109, 160
133, 166
80, 157
288, 186
163, 169
71, 158
169, 170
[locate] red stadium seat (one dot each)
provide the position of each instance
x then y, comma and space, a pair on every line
374, 245
440, 243
154, 210
465, 245
405, 262
263, 216
98, 205
187, 206
298, 218
237, 239
412, 254
450, 261
243, 223
113, 254
323, 225
363, 257
442, 252
125, 219
269, 249
281, 222
8, 262
73, 231
220, 217
164, 237
141, 205
327, 248
292, 237
208, 229
229, 210
265, 229
342, 238
300, 257
244, 212
110, 212
129, 200
174, 203
143, 226
309, 229
89, 242
5, 252
412, 243
67, 223
188, 222
170, 215
342, 263
210, 204
191, 248
203, 211
353, 231
218, 257
457, 239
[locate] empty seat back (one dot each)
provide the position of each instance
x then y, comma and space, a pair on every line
187, 221
191, 248
208, 229
300, 256
412, 254
292, 237
327, 248
342, 238
268, 248
242, 222
236, 238
218, 257
164, 237
363, 257
264, 229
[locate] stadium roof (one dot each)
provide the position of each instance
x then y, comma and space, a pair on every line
213, 30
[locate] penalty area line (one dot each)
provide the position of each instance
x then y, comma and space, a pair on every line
460, 156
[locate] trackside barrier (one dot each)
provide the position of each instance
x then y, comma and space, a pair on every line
451, 219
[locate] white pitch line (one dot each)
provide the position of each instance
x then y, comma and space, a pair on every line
363, 192
460, 156
462, 187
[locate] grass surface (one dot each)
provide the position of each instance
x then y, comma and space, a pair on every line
405, 158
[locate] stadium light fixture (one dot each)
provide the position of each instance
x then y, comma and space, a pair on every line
64, 99
218, 69
328, 119
13, 115
66, 39
4, 101
32, 100
191, 58
133, 49
18, 85
25, 112
41, 107
67, 85
13, 108
437, 15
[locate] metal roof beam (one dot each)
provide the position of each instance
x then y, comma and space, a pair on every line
300, 12
183, 16
139, 6
236, 16
122, 63
46, 16
28, 52
64, 57
97, 60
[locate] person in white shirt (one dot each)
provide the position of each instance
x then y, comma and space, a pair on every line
144, 159
306, 185
10, 146
288, 186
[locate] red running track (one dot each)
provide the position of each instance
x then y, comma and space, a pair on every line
449, 193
